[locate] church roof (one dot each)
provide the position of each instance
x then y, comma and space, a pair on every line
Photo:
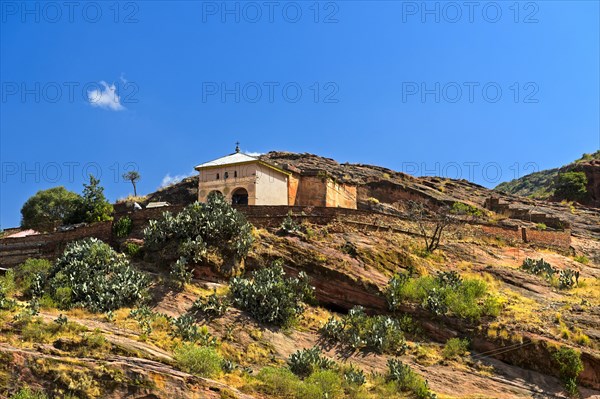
235, 158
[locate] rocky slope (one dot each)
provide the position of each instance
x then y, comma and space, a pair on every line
510, 355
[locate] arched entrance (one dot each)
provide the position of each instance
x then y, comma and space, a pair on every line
215, 192
239, 196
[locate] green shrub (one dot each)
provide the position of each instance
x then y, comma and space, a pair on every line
328, 384
454, 348
201, 361
8, 284
582, 259
571, 186
270, 297
306, 361
541, 226
461, 208
27, 271
132, 249
201, 227
34, 329
382, 334
447, 292
408, 380
92, 275
279, 382
570, 366
122, 227
27, 393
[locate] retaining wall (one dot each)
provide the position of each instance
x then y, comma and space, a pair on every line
15, 250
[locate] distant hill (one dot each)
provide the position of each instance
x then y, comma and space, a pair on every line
540, 185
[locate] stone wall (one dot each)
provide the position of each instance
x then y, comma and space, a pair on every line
15, 250
321, 191
528, 215
340, 195
49, 246
312, 191
391, 193
550, 239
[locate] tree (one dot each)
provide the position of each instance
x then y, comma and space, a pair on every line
571, 186
93, 207
133, 177
431, 224
48, 209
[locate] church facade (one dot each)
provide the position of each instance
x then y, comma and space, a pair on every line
246, 180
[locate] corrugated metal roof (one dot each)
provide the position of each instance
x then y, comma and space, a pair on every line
157, 204
236, 157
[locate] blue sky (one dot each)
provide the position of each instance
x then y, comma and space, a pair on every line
487, 93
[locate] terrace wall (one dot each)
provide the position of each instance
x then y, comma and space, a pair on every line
15, 250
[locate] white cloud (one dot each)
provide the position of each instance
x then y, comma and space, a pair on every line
106, 98
254, 154
169, 180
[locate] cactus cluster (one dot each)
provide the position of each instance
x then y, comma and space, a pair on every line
271, 297
91, 274
408, 380
212, 306
305, 361
201, 227
567, 278
360, 331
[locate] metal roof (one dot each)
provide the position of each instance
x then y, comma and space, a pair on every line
157, 204
236, 157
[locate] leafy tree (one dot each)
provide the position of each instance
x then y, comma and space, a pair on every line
571, 186
91, 274
48, 209
93, 207
133, 177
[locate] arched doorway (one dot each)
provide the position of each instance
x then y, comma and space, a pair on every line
215, 192
239, 196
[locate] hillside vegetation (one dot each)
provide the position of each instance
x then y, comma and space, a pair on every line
203, 304
542, 184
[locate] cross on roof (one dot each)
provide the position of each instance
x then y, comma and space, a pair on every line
237, 146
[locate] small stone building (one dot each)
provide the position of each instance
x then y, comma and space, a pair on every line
247, 180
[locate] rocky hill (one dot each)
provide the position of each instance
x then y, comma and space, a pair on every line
473, 318
541, 185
